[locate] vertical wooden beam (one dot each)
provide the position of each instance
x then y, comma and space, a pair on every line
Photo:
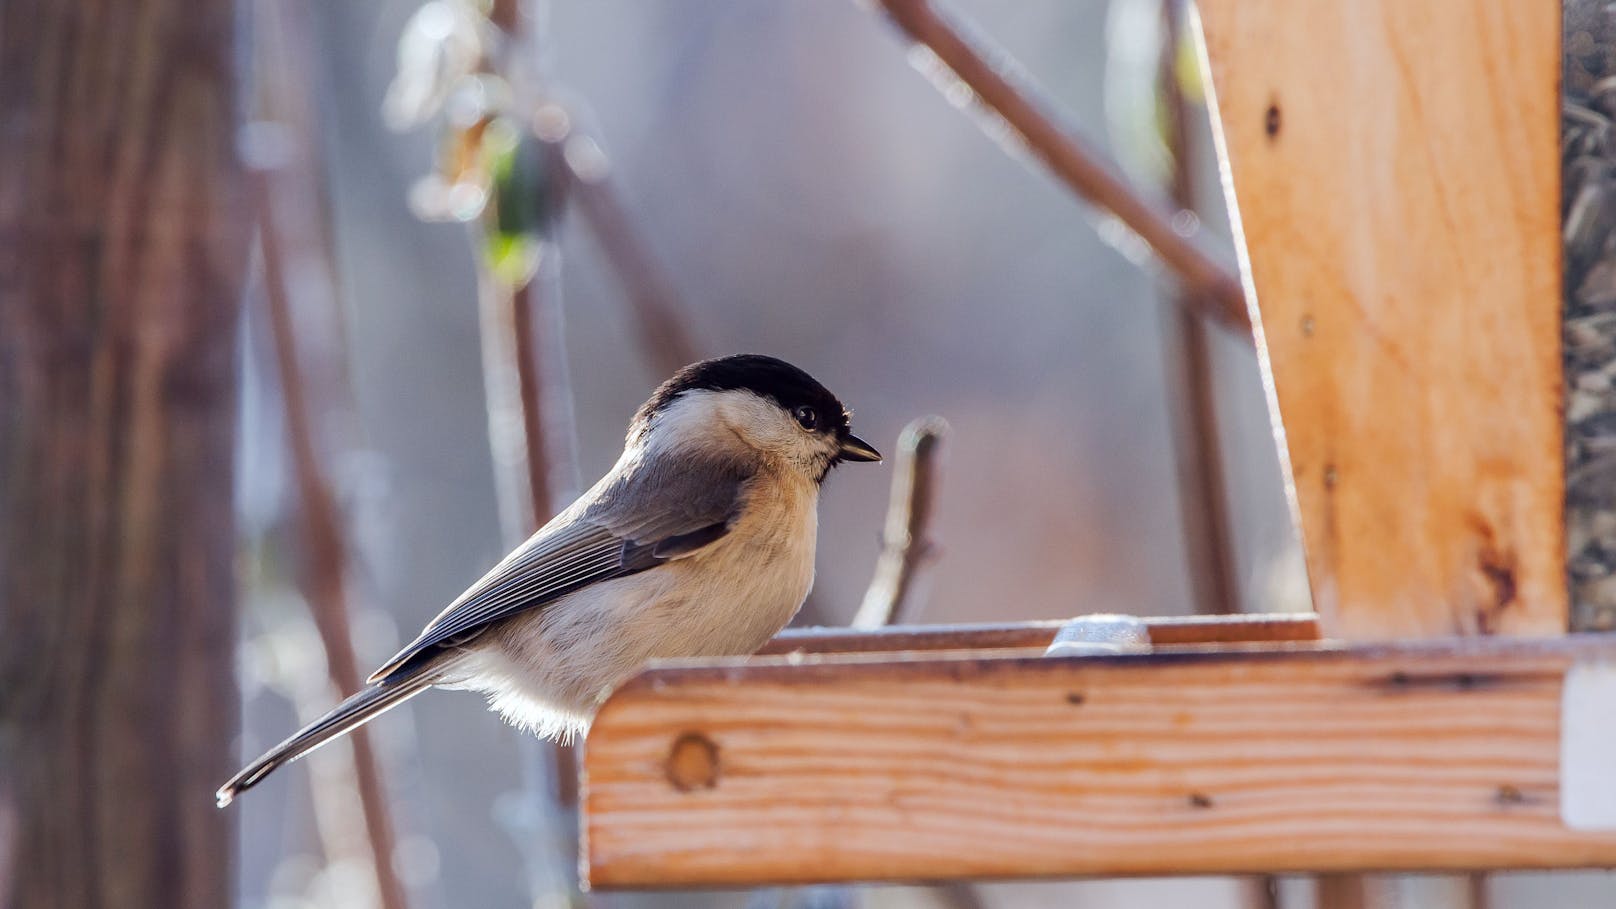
1397, 186
122, 241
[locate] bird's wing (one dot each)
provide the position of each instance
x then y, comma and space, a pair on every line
633, 520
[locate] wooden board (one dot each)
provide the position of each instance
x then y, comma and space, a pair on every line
1262, 758
1196, 629
1397, 175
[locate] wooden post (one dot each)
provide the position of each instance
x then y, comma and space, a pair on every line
122, 239
1397, 189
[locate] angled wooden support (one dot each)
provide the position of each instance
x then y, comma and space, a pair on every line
1396, 187
1195, 760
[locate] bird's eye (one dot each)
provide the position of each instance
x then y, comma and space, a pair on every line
806, 417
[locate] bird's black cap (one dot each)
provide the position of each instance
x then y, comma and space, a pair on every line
764, 376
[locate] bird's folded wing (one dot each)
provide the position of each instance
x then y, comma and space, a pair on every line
633, 521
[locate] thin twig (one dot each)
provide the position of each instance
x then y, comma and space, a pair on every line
1342, 891
536, 455
524, 306
904, 544
1192, 391
904, 550
1262, 891
532, 456
507, 423
1215, 293
325, 553
515, 392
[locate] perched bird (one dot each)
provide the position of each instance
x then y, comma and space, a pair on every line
699, 542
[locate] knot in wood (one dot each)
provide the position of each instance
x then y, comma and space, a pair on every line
692, 762
1271, 119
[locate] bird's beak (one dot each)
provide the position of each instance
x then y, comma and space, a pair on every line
856, 449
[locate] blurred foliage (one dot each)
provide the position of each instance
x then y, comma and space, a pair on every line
442, 44
490, 168
526, 200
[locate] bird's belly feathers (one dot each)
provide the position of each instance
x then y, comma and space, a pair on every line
548, 670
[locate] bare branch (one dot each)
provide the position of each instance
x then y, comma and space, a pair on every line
324, 550
1214, 291
1187, 358
537, 456
904, 545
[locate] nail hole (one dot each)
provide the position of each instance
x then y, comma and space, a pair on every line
1200, 800
1075, 698
693, 763
1271, 120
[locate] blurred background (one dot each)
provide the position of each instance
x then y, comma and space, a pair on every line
803, 190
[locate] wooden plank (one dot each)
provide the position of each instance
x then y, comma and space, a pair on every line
1198, 629
1398, 196
1229, 759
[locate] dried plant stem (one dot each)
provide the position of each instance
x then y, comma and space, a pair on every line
904, 543
512, 416
1342, 891
536, 455
324, 551
524, 305
906, 548
1214, 292
511, 362
1198, 463
1192, 390
515, 392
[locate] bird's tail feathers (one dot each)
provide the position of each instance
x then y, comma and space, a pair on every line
344, 718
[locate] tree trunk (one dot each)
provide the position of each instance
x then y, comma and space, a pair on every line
121, 257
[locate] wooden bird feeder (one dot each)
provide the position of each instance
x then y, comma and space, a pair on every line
1396, 171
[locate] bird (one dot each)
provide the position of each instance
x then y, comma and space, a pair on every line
698, 542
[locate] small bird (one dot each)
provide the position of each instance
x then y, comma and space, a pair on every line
698, 542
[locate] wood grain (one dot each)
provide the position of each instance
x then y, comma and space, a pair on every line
1282, 758
1226, 629
122, 253
1395, 168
